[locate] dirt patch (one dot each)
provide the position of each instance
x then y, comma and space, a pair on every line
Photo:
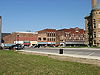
66, 58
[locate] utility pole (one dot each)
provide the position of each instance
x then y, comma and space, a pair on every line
0, 29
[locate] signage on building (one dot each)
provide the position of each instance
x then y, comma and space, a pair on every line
18, 42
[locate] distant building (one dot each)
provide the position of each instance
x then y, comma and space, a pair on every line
71, 37
5, 34
47, 37
26, 38
92, 22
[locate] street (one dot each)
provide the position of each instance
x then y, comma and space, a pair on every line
72, 51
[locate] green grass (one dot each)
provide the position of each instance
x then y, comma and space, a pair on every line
13, 63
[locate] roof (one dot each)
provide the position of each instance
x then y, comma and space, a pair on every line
5, 34
74, 30
48, 30
25, 32
66, 30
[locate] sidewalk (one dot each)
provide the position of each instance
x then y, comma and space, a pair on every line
70, 55
76, 48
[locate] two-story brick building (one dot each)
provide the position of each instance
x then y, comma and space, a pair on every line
71, 37
47, 37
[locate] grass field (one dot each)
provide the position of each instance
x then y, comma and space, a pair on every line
13, 63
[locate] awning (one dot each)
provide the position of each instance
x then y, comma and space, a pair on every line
27, 43
34, 42
75, 42
51, 42
42, 42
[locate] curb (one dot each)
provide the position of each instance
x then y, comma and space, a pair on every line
70, 55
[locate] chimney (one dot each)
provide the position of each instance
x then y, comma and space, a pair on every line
94, 2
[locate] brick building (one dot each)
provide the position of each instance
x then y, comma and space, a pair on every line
92, 22
25, 38
47, 37
71, 37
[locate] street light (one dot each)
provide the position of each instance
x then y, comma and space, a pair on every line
17, 39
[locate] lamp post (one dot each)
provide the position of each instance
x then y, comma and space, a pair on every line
17, 38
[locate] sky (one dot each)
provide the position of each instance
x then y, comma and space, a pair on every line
35, 15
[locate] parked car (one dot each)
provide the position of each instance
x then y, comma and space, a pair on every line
1, 47
16, 47
36, 46
7, 46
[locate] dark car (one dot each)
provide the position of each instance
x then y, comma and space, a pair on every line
1, 48
36, 46
17, 47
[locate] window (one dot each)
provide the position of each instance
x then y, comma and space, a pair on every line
81, 38
94, 32
98, 32
98, 35
94, 25
54, 34
44, 38
95, 35
99, 25
39, 39
48, 34
48, 39
54, 39
93, 20
94, 41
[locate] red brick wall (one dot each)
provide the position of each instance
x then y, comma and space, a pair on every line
20, 37
72, 34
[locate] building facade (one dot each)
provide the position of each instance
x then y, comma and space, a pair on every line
93, 25
26, 38
71, 37
47, 37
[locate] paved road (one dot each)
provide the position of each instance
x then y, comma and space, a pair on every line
72, 51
